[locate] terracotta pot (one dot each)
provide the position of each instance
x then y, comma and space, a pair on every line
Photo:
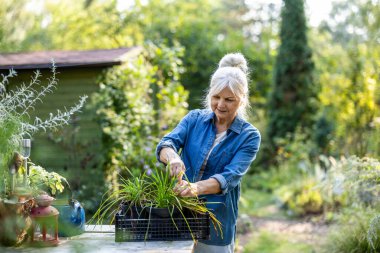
44, 200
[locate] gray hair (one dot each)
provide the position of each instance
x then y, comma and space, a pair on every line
232, 73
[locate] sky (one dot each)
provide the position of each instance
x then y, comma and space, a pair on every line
316, 10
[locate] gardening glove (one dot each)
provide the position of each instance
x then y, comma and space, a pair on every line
186, 189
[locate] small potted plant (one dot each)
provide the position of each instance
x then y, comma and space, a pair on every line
40, 181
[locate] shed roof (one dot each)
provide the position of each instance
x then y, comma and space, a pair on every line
43, 59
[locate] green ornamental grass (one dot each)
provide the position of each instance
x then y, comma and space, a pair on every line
148, 192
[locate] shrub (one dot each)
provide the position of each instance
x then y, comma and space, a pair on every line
136, 104
348, 181
373, 232
359, 178
293, 160
301, 197
350, 234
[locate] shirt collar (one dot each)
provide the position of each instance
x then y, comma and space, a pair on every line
210, 117
236, 125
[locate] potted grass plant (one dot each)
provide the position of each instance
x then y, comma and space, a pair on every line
15, 124
144, 203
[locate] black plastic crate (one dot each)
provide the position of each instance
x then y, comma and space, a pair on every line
141, 225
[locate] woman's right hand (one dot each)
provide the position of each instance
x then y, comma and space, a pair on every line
176, 165
177, 168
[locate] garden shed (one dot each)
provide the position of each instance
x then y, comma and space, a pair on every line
75, 147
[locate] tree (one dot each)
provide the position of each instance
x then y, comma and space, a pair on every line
201, 27
348, 66
15, 21
130, 98
292, 102
83, 25
354, 20
206, 29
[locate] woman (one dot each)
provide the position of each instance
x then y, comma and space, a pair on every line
217, 147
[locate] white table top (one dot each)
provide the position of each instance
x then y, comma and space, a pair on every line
102, 239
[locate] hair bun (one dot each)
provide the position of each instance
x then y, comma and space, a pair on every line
234, 60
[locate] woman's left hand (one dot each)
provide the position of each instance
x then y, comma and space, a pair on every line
186, 189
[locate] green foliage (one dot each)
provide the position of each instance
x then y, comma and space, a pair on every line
323, 131
267, 242
15, 120
358, 177
295, 179
259, 203
304, 196
354, 20
97, 26
133, 190
90, 190
162, 189
207, 29
347, 63
292, 102
196, 25
15, 24
373, 232
293, 161
149, 191
9, 143
301, 198
354, 115
9, 138
125, 112
352, 181
11, 126
42, 180
350, 235
136, 104
169, 96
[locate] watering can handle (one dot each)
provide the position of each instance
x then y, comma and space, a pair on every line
79, 212
67, 186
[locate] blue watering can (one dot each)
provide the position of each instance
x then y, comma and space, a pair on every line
71, 219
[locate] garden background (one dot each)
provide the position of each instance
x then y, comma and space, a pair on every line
314, 94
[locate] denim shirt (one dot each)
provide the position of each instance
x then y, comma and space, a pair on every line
227, 163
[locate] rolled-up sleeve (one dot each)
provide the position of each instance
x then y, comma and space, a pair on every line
232, 173
176, 138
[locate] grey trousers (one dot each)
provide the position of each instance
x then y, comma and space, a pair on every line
204, 248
